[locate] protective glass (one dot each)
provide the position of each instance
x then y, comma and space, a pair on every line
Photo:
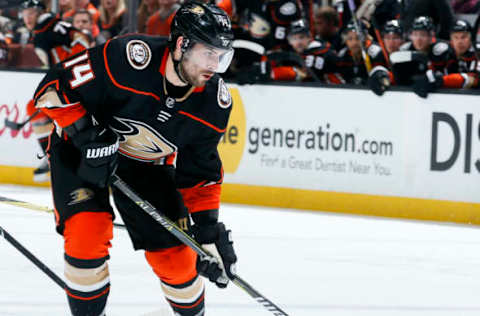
208, 57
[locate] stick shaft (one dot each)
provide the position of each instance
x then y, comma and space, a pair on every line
32, 258
192, 243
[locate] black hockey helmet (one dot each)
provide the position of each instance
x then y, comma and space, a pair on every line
422, 23
299, 27
200, 22
36, 4
461, 26
351, 27
393, 27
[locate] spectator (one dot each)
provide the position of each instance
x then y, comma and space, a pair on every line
4, 57
392, 35
145, 10
64, 6
466, 6
82, 20
85, 5
31, 10
112, 16
327, 27
439, 10
159, 23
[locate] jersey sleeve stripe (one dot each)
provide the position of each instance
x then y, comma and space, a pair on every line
55, 82
202, 121
107, 67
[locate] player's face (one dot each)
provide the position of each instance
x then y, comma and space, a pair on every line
201, 62
30, 16
461, 42
82, 22
321, 26
353, 42
392, 42
421, 40
299, 42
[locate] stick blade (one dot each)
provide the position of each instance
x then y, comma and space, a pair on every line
13, 125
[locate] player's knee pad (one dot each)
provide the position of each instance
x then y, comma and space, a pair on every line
174, 265
87, 239
87, 235
183, 287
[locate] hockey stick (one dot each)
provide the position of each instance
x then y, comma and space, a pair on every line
37, 207
189, 241
361, 36
55, 278
17, 126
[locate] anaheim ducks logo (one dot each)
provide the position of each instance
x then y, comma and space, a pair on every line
80, 195
258, 26
141, 141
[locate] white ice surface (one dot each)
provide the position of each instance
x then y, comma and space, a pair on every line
310, 264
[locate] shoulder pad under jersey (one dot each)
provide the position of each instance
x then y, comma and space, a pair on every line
342, 52
373, 50
439, 48
288, 8
406, 46
314, 44
43, 20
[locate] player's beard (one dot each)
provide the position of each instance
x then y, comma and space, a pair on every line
191, 73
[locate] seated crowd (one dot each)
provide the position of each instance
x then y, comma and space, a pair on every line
381, 45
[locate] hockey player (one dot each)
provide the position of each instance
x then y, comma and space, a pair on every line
392, 35
422, 56
266, 22
462, 69
352, 66
132, 106
54, 41
317, 55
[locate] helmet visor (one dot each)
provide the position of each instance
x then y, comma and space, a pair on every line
210, 58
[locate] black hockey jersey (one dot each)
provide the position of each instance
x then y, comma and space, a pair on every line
122, 85
436, 59
56, 40
354, 71
266, 22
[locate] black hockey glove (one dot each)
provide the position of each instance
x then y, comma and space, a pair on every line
98, 149
429, 82
379, 82
258, 72
218, 240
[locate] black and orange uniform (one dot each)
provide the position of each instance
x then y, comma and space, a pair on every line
168, 139
54, 41
57, 39
267, 22
463, 71
437, 59
321, 62
354, 71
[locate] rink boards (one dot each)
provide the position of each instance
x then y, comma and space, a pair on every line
317, 148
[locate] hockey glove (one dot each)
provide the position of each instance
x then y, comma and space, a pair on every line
98, 149
429, 82
218, 240
258, 72
379, 82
